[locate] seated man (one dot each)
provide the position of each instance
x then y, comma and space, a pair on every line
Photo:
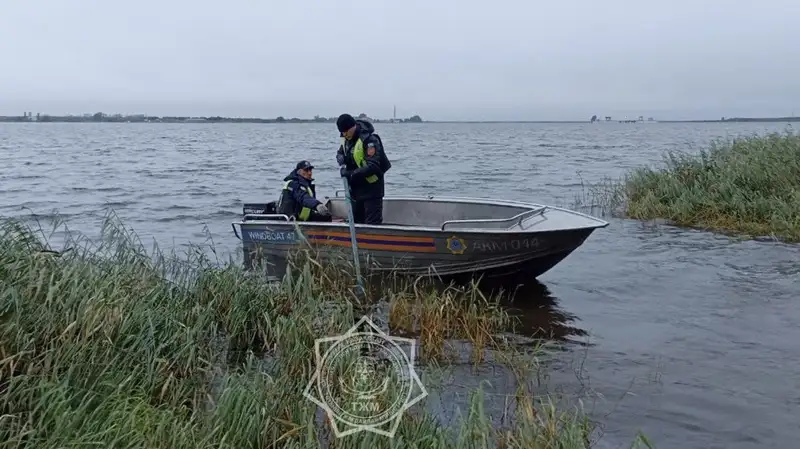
298, 198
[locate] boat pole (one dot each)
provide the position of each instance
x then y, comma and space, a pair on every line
353, 240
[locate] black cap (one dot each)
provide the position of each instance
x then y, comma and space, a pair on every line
345, 122
305, 165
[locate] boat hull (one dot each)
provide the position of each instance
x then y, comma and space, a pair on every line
412, 252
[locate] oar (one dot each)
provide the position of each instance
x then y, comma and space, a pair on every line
360, 291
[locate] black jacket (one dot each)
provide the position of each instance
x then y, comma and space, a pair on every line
377, 164
293, 200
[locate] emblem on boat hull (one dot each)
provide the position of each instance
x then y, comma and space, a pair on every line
456, 245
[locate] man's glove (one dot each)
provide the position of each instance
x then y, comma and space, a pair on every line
340, 158
344, 172
322, 210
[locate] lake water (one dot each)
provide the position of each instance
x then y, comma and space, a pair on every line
693, 337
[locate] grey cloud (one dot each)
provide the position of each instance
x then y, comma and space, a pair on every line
440, 59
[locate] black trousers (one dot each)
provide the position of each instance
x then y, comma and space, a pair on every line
319, 217
369, 211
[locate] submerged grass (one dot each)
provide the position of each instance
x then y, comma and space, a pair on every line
107, 346
748, 186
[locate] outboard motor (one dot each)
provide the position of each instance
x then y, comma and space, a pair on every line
260, 208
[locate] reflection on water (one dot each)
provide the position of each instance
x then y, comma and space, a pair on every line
536, 318
535, 314
534, 310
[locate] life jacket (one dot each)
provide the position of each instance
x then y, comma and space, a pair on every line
288, 206
360, 159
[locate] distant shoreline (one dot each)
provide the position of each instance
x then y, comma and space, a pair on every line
739, 120
103, 118
727, 120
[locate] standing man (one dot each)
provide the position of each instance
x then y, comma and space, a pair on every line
363, 162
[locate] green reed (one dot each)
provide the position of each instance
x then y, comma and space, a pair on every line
105, 345
748, 186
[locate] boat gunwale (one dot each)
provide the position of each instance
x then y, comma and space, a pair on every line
438, 230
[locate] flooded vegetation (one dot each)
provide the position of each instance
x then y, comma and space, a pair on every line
749, 185
106, 345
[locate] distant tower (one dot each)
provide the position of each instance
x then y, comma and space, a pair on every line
394, 113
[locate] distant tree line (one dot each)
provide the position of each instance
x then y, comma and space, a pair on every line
144, 118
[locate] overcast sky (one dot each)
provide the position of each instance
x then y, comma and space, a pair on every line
441, 59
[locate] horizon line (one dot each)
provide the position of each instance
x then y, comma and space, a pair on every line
101, 117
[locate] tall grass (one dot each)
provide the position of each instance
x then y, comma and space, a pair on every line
107, 346
745, 186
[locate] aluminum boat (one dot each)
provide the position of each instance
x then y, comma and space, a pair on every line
424, 236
